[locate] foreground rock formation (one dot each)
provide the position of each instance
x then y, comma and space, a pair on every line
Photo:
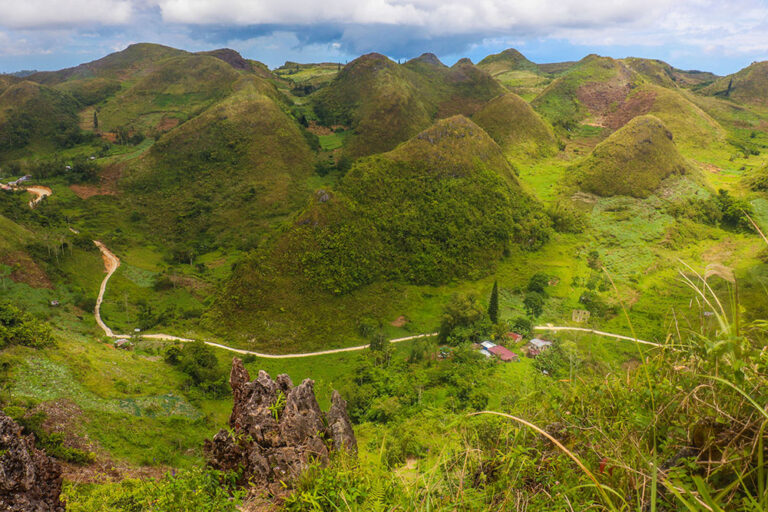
277, 428
30, 481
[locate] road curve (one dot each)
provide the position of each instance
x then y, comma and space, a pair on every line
112, 262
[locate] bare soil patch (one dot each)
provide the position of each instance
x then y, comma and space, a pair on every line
25, 270
399, 321
107, 183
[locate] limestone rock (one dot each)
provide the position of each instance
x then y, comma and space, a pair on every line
277, 429
30, 481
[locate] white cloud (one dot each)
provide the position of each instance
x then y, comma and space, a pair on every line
64, 13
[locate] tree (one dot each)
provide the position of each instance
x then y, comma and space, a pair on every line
523, 326
493, 304
463, 320
538, 283
534, 304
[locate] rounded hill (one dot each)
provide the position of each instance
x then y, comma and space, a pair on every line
516, 127
633, 161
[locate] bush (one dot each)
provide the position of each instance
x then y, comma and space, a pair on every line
20, 328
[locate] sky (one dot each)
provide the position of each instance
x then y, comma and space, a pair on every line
719, 36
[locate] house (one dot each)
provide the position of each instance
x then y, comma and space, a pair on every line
503, 353
123, 343
487, 344
486, 353
514, 337
536, 346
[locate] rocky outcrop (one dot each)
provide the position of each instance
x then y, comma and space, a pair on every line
30, 481
277, 429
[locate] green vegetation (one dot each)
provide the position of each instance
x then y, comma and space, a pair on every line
514, 125
322, 206
633, 161
20, 328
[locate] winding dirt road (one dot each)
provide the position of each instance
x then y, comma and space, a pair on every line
112, 262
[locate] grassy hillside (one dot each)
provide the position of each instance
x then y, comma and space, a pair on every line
750, 85
632, 161
516, 127
176, 89
32, 114
210, 180
661, 73
442, 206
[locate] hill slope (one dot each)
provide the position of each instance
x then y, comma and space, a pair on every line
632, 161
443, 205
750, 85
231, 168
516, 127
32, 113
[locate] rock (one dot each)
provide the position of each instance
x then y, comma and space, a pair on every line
30, 481
271, 450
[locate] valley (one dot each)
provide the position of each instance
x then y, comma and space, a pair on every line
367, 226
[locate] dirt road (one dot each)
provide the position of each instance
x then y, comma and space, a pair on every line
39, 192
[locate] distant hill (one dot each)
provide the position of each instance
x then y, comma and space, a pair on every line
516, 127
661, 73
605, 92
632, 161
385, 103
750, 85
149, 88
443, 205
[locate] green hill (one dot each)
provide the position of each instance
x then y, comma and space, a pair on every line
34, 114
226, 171
516, 127
518, 74
443, 205
373, 96
632, 161
176, 89
661, 73
587, 89
750, 85
508, 60
607, 93
385, 103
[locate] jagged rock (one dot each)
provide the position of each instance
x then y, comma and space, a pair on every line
272, 450
30, 481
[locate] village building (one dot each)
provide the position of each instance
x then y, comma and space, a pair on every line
123, 343
487, 344
514, 337
536, 346
503, 353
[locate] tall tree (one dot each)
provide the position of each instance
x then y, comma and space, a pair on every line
493, 304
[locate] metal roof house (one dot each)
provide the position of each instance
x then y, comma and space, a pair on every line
503, 353
536, 346
487, 344
539, 343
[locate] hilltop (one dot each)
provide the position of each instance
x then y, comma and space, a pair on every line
632, 161
516, 127
385, 103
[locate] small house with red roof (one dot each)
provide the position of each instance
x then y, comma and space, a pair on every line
503, 353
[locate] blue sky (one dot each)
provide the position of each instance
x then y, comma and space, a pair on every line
722, 37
